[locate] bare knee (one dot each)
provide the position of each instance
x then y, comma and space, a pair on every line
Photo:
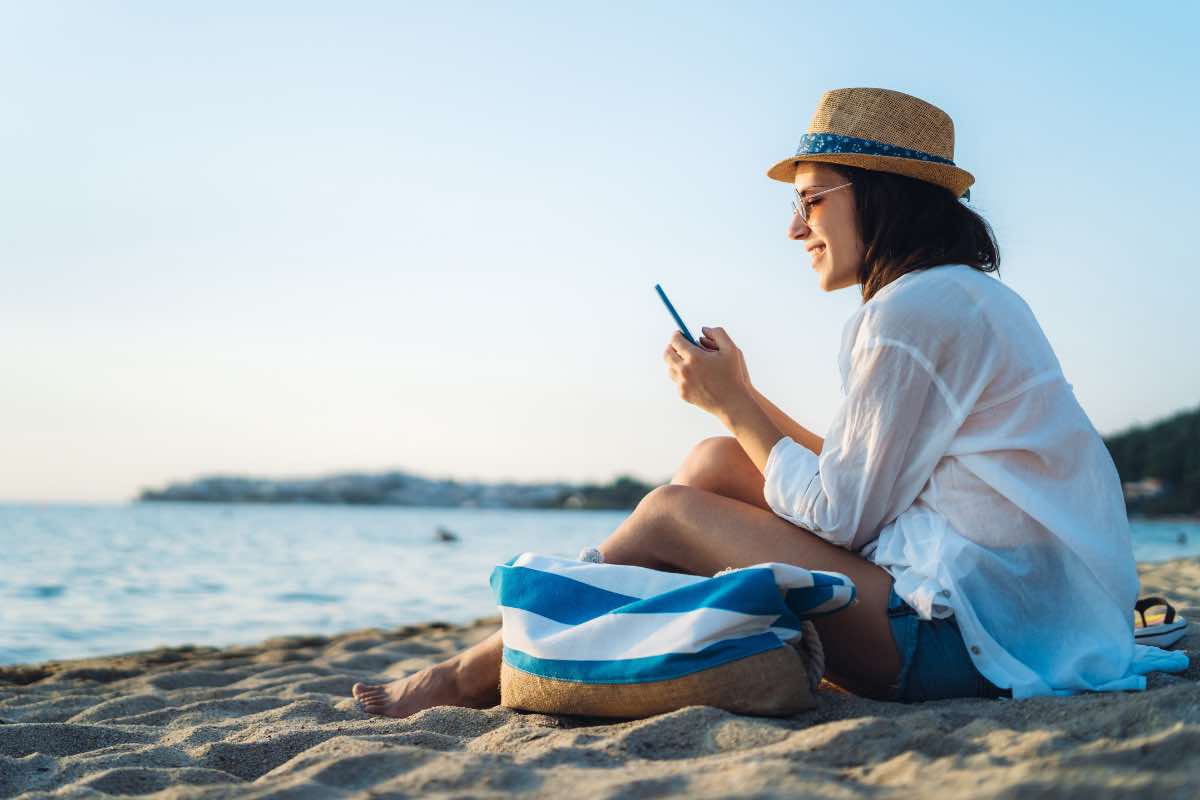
720, 465
662, 500
709, 465
648, 533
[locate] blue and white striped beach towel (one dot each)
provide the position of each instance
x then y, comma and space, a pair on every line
610, 623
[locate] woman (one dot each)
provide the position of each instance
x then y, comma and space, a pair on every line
960, 485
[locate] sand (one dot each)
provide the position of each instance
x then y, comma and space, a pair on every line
276, 719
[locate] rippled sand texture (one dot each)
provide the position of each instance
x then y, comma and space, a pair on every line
276, 719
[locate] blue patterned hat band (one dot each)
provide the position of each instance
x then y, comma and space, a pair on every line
814, 143
817, 143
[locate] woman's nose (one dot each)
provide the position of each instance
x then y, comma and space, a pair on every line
798, 229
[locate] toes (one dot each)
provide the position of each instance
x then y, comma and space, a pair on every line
369, 701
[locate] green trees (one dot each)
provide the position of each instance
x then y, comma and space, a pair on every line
624, 492
1168, 450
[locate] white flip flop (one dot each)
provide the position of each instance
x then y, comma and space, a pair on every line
1170, 630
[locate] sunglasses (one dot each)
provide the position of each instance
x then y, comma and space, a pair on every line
802, 205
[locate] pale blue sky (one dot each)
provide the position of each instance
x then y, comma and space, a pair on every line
322, 236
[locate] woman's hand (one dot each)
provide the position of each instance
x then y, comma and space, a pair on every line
709, 343
712, 377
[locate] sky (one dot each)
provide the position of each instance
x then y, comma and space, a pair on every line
290, 239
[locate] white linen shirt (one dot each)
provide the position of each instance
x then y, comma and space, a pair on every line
961, 463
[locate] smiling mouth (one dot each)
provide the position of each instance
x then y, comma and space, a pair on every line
816, 251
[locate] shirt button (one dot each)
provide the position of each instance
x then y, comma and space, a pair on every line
975, 649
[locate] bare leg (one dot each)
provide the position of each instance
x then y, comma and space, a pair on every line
685, 529
720, 465
693, 526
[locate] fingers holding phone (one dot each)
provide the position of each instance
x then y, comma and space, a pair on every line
709, 379
718, 339
711, 372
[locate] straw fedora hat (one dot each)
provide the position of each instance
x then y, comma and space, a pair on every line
882, 130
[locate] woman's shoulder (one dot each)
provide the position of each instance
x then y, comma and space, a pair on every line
952, 314
934, 300
955, 285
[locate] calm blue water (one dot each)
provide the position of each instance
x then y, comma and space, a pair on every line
91, 580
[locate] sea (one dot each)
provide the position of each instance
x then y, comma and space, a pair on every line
86, 580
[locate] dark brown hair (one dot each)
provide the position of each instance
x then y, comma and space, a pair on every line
908, 224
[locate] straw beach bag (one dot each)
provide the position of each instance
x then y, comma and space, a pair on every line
610, 640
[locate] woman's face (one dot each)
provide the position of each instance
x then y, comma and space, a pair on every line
831, 234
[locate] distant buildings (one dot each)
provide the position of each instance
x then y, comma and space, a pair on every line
1145, 489
401, 489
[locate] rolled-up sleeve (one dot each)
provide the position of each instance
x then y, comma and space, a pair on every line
896, 422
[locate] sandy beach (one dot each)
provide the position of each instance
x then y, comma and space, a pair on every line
276, 719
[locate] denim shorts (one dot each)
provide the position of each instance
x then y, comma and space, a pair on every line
934, 662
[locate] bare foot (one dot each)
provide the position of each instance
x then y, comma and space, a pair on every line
433, 686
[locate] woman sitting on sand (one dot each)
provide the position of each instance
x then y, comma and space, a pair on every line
960, 485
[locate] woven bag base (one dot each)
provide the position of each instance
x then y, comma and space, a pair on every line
770, 684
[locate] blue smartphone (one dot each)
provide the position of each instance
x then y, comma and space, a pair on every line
682, 328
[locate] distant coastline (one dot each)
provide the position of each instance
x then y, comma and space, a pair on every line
401, 489
1159, 467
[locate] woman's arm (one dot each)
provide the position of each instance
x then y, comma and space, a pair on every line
714, 377
893, 426
788, 426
